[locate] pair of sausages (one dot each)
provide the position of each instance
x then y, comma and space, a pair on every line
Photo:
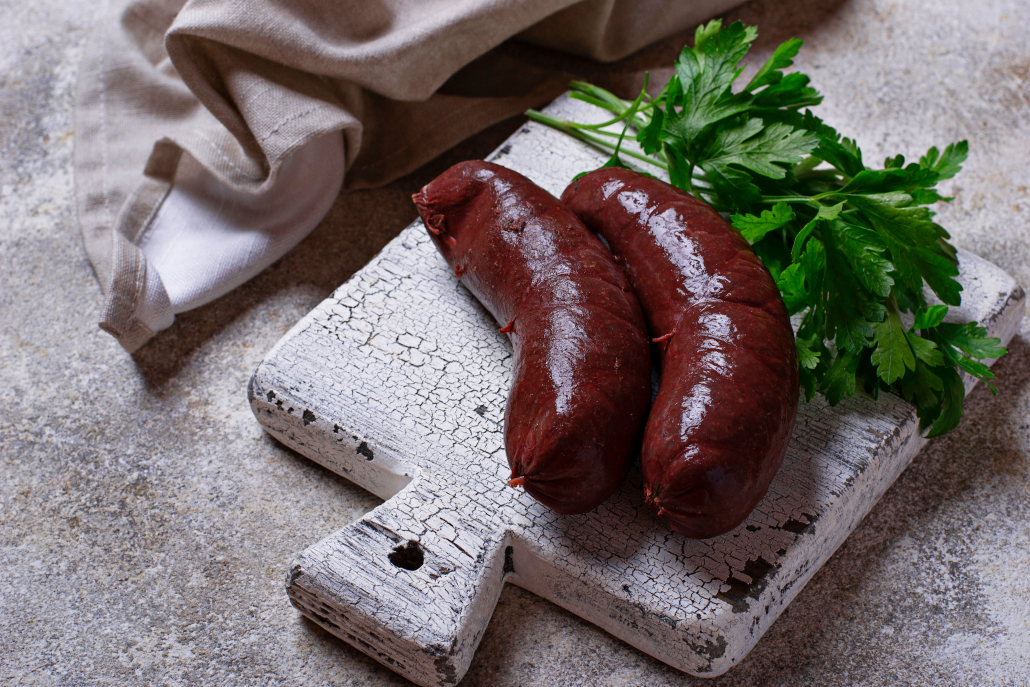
726, 404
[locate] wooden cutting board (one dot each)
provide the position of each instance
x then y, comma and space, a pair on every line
398, 383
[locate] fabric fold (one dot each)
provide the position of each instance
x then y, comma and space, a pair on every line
212, 135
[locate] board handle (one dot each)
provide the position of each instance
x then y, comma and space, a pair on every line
412, 584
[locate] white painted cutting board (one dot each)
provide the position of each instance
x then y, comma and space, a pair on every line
398, 383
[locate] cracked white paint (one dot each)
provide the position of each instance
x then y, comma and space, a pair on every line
398, 382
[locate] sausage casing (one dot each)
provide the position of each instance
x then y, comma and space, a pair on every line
728, 394
581, 374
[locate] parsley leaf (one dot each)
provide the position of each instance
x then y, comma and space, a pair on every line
852, 248
759, 148
800, 282
755, 228
782, 58
893, 354
923, 387
839, 380
732, 184
842, 154
850, 312
791, 92
971, 339
925, 350
928, 318
949, 412
705, 75
949, 163
862, 248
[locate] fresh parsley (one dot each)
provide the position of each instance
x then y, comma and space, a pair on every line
850, 247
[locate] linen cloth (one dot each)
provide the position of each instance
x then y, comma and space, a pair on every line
213, 135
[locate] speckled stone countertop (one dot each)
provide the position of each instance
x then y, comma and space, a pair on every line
146, 521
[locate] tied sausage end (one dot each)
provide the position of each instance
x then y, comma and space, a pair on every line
704, 505
560, 462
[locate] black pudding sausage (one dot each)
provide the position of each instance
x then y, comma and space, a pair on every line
728, 395
581, 379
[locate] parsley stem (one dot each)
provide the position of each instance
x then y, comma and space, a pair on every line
605, 99
614, 102
789, 199
596, 102
571, 130
627, 114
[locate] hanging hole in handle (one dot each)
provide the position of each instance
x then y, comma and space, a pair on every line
408, 556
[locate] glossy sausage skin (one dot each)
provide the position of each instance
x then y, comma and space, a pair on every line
580, 387
728, 394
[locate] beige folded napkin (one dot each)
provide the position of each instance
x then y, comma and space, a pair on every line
212, 136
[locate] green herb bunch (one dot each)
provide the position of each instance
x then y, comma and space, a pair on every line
850, 247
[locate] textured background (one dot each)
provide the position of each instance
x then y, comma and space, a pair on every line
146, 522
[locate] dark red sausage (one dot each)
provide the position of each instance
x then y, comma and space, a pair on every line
580, 386
729, 388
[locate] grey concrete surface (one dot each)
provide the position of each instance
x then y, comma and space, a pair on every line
146, 522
